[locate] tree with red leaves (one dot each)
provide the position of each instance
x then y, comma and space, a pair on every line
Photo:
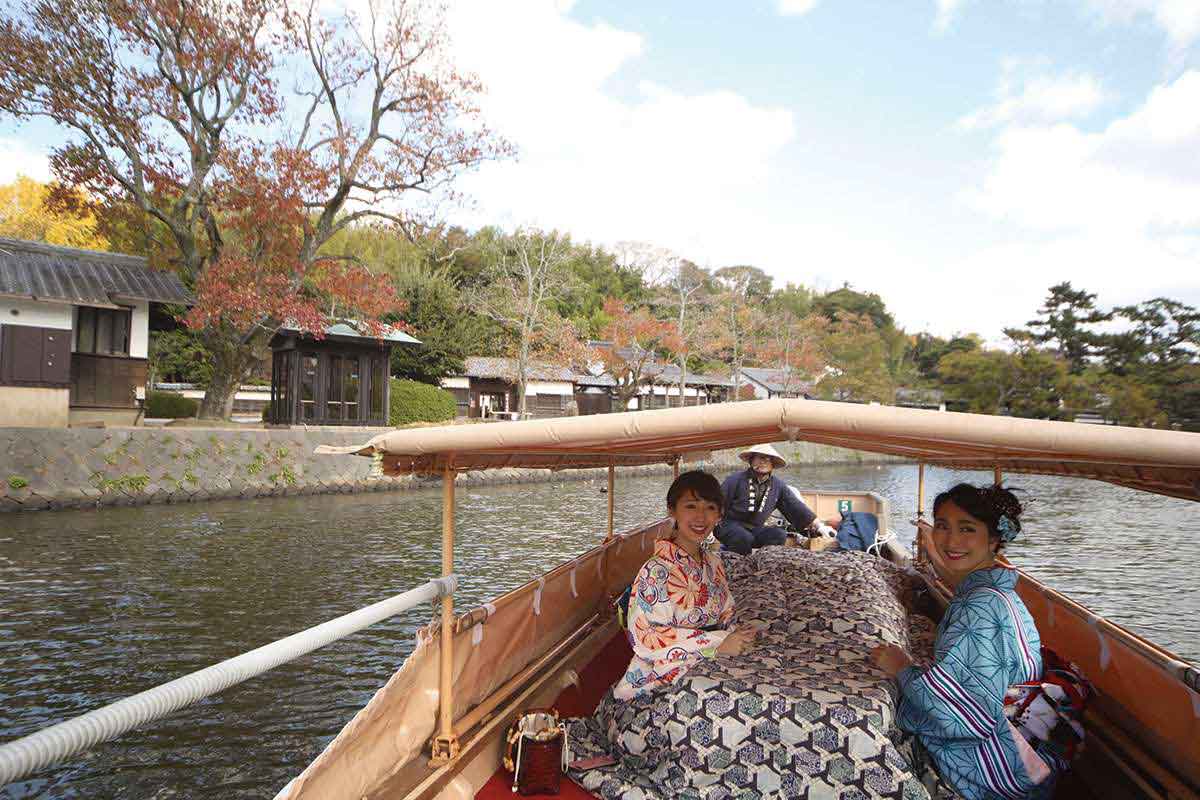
247, 134
633, 335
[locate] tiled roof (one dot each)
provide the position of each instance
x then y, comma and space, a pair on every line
669, 373
83, 277
506, 369
587, 379
347, 330
777, 380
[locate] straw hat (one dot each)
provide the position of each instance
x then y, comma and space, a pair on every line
763, 450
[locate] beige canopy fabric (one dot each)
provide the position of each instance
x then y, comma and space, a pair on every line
1163, 462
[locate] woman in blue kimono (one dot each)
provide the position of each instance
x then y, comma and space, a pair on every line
986, 642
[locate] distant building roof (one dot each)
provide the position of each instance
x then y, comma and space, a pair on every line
506, 369
587, 379
83, 277
669, 373
921, 397
778, 380
347, 330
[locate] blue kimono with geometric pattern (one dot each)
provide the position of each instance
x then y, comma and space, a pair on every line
986, 642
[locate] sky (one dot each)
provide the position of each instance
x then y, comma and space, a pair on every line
958, 157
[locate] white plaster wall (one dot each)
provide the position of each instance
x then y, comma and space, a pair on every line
139, 330
30, 407
549, 387
456, 383
35, 314
673, 390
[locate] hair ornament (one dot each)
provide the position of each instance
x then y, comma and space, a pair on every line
1007, 528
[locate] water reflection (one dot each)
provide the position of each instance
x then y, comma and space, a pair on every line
98, 605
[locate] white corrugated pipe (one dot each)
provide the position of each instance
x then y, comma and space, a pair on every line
31, 753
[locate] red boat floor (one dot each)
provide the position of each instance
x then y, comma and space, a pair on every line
603, 671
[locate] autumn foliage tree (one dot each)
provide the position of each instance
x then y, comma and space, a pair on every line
856, 358
26, 214
526, 274
635, 335
247, 134
736, 325
795, 346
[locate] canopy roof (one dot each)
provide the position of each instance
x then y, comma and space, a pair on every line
1164, 462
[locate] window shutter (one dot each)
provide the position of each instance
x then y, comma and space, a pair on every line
56, 356
21, 359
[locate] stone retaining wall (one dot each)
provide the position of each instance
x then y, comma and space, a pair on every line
57, 468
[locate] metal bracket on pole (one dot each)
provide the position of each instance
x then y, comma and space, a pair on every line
444, 749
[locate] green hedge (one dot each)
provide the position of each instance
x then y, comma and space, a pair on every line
170, 405
412, 401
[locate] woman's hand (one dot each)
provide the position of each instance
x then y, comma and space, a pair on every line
931, 551
890, 658
736, 642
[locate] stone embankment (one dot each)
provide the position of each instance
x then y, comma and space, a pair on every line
93, 467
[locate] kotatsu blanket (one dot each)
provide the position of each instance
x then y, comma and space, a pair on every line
803, 713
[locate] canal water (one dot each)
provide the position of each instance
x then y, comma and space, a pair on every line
95, 606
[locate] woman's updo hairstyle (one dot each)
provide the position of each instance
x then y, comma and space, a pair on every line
698, 482
995, 506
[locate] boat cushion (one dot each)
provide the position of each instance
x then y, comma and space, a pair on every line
802, 713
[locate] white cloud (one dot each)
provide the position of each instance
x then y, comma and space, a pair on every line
795, 8
646, 162
1038, 98
1179, 19
1115, 211
1139, 174
946, 11
22, 158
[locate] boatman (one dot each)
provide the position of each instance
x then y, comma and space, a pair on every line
750, 497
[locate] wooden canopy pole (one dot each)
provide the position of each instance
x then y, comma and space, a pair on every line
445, 743
997, 477
675, 468
612, 483
920, 507
921, 491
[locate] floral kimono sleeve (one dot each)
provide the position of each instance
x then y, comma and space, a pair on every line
962, 695
655, 617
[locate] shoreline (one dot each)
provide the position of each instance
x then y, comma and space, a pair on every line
75, 468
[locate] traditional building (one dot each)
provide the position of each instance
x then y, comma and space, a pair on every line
662, 389
768, 383
933, 399
74, 333
488, 389
340, 379
594, 393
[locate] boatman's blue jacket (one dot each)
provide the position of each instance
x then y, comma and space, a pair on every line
737, 502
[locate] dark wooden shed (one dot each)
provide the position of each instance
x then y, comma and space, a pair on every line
340, 379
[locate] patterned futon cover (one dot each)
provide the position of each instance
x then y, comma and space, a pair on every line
803, 714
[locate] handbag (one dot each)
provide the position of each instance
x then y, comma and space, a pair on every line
1049, 712
536, 752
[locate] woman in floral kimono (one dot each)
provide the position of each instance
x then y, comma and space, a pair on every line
953, 712
681, 606
679, 614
